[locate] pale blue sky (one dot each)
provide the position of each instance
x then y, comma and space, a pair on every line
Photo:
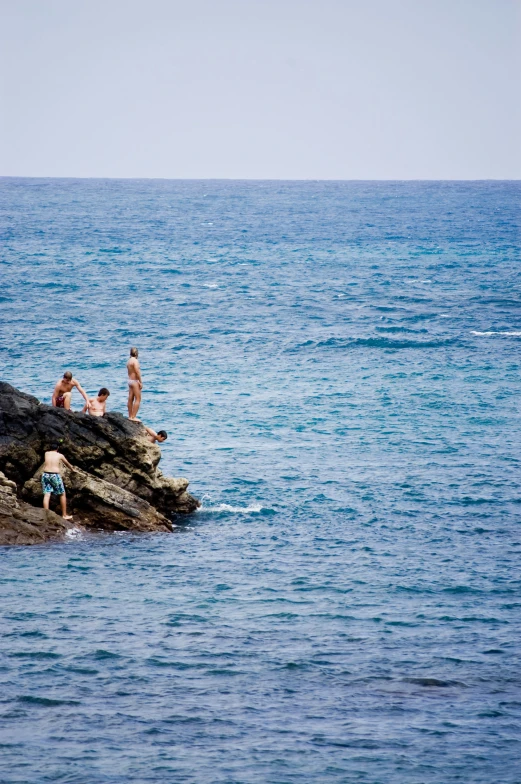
291, 89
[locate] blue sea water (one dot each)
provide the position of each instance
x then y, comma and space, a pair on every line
338, 367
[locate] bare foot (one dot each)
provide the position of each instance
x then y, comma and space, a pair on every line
67, 517
134, 419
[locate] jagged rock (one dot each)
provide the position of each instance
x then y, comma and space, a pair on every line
21, 523
185, 503
119, 486
100, 504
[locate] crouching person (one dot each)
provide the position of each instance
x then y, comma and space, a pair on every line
160, 436
52, 482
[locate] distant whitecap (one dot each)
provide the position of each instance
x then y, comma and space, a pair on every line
490, 332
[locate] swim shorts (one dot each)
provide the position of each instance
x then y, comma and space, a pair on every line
60, 402
52, 483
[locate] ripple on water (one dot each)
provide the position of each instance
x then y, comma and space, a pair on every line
336, 366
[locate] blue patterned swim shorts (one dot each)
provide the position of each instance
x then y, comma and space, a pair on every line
52, 483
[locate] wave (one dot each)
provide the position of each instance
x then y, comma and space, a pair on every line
506, 301
491, 332
402, 329
45, 702
74, 533
433, 682
376, 342
252, 509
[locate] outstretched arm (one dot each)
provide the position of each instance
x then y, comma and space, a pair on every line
81, 391
150, 432
85, 407
64, 460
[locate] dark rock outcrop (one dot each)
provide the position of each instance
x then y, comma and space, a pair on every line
21, 523
118, 485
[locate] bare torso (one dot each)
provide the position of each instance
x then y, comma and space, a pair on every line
52, 463
133, 369
97, 407
63, 386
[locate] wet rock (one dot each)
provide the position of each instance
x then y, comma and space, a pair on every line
21, 523
96, 503
186, 504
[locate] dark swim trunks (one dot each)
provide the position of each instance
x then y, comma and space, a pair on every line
52, 483
60, 402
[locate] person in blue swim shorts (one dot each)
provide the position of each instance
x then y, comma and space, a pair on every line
52, 483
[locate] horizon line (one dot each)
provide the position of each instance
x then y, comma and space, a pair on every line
259, 179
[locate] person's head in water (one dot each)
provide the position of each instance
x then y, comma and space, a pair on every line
134, 352
67, 375
162, 435
103, 393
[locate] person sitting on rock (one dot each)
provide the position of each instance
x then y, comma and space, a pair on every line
160, 436
61, 397
52, 482
96, 406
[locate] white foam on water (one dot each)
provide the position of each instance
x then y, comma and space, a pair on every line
210, 285
510, 334
252, 509
74, 533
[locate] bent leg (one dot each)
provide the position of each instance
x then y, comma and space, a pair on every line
67, 400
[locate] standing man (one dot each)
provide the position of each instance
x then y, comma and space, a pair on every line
52, 481
135, 385
61, 397
97, 406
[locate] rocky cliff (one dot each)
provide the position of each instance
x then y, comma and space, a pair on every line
117, 486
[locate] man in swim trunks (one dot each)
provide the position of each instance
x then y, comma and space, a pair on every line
96, 406
52, 481
160, 436
61, 397
135, 385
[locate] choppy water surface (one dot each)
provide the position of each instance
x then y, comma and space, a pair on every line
337, 365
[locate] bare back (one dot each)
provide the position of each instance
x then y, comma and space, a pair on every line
52, 463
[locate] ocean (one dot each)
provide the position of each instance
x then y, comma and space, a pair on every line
337, 365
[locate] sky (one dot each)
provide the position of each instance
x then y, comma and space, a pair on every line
261, 89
